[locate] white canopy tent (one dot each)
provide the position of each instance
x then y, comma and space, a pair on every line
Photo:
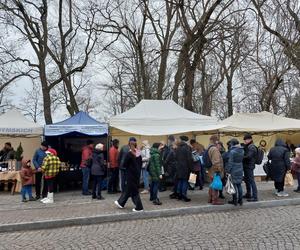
161, 117
16, 124
259, 122
16, 128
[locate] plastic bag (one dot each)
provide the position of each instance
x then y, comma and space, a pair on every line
193, 178
229, 187
217, 182
288, 180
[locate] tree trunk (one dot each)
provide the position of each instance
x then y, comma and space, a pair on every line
46, 93
229, 96
162, 74
189, 87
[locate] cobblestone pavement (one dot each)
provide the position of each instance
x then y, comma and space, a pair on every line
269, 228
73, 204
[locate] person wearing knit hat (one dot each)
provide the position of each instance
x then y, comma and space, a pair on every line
249, 165
37, 161
50, 168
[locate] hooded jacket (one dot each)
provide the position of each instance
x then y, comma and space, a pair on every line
155, 164
26, 174
234, 167
280, 161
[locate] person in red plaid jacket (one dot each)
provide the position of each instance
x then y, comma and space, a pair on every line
50, 168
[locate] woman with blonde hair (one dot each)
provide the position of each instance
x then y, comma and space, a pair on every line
145, 153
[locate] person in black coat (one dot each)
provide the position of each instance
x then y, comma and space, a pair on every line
98, 170
184, 161
249, 166
279, 156
133, 166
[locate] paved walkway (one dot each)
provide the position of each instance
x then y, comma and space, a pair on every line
73, 205
262, 229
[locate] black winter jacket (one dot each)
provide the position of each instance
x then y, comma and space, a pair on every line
280, 161
250, 156
184, 161
98, 166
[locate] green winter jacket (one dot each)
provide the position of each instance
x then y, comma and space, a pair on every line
155, 164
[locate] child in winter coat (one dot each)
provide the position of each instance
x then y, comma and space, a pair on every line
155, 173
296, 168
27, 180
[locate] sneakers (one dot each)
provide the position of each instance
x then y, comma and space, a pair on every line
134, 210
282, 194
173, 196
118, 205
145, 191
297, 190
32, 199
24, 200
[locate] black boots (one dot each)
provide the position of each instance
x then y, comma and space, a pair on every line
157, 202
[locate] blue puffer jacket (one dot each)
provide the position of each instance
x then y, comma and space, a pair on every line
235, 164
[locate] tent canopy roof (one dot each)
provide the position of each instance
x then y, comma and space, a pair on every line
80, 123
259, 122
161, 117
13, 122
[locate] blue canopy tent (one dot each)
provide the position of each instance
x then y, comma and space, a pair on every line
79, 124
68, 137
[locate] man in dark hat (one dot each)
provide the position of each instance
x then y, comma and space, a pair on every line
249, 165
184, 160
37, 161
121, 158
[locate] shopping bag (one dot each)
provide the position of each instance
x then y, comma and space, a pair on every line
193, 178
229, 187
217, 182
288, 180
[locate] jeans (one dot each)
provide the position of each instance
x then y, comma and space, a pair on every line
250, 182
145, 175
38, 185
135, 197
239, 192
182, 187
97, 185
27, 189
154, 190
85, 180
298, 178
113, 179
123, 179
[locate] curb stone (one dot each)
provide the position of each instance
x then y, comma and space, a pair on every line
98, 219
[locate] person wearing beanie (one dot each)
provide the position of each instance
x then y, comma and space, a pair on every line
217, 167
86, 155
121, 159
37, 161
98, 170
50, 169
184, 159
249, 165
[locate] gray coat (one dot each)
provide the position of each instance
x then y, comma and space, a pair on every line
235, 164
280, 161
98, 166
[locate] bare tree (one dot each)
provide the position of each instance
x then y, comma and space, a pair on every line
287, 28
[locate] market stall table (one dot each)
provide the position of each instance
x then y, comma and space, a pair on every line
12, 177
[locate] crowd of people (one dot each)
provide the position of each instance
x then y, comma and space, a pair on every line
153, 166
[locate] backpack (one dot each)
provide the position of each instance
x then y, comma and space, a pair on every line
259, 155
206, 159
